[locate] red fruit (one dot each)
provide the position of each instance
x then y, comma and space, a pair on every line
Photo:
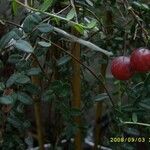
121, 69
140, 60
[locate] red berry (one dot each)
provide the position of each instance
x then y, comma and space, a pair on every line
140, 60
121, 69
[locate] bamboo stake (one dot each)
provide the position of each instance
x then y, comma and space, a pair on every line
99, 107
76, 89
37, 108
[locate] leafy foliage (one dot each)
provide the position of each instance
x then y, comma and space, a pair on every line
109, 24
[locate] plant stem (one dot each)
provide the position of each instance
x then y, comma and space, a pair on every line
76, 89
137, 123
37, 109
82, 42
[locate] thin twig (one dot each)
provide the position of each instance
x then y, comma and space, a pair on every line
63, 9
137, 123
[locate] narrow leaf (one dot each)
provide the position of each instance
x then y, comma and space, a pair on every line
44, 44
46, 5
101, 97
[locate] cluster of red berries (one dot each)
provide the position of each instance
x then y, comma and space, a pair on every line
123, 67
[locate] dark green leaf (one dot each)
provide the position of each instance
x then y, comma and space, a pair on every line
48, 95
63, 60
22, 79
14, 58
45, 28
7, 38
33, 71
24, 98
2, 86
30, 22
6, 100
31, 88
17, 78
24, 46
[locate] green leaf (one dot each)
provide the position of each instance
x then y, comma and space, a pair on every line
14, 58
92, 24
15, 7
6, 100
134, 117
71, 14
24, 46
136, 4
101, 97
48, 95
7, 38
17, 78
145, 7
63, 60
31, 88
22, 79
24, 98
11, 80
33, 71
145, 106
89, 2
2, 86
45, 28
46, 4
30, 22
79, 28
44, 44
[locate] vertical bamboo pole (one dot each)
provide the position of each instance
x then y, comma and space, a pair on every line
37, 108
99, 107
76, 89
